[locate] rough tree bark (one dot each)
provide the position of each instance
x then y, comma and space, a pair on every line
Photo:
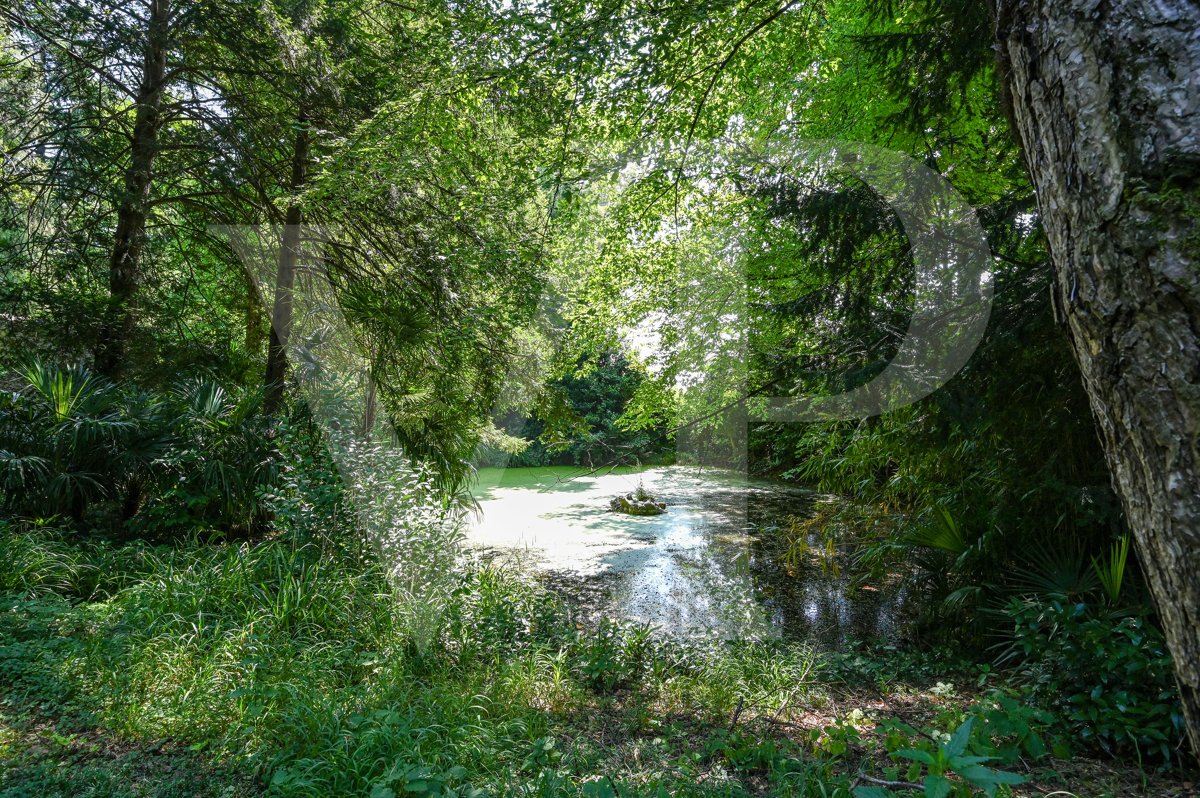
285, 278
1105, 97
123, 265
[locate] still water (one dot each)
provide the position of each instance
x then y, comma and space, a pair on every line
710, 565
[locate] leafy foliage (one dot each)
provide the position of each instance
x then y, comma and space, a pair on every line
71, 439
952, 755
1108, 676
583, 421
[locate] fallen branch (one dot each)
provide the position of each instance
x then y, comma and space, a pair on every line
737, 712
899, 785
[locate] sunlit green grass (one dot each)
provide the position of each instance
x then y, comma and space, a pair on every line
290, 663
285, 668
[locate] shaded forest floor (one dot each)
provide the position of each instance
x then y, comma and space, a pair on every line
287, 669
37, 760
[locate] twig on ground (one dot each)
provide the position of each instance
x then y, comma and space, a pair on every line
785, 723
891, 784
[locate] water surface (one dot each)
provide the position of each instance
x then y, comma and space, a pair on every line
712, 564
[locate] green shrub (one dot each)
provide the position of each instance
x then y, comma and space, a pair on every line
1108, 678
615, 655
196, 458
496, 612
953, 755
1008, 729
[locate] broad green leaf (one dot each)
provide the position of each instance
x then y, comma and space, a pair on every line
920, 756
987, 779
598, 789
937, 786
958, 743
1034, 746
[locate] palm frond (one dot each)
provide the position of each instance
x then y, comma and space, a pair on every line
22, 473
1052, 571
941, 532
1111, 573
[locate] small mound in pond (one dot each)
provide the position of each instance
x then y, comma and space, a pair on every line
637, 504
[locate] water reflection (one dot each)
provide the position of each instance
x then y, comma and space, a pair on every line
712, 564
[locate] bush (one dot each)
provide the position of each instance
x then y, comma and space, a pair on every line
1108, 678
196, 458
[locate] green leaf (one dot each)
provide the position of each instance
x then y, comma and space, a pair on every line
987, 779
937, 786
382, 791
920, 756
598, 789
1034, 746
958, 743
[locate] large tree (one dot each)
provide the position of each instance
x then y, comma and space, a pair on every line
1106, 101
122, 139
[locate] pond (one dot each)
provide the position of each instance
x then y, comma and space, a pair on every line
711, 565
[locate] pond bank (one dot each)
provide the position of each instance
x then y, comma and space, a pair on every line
286, 670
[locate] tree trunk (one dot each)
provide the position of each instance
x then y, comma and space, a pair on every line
256, 331
1105, 98
285, 279
369, 411
123, 277
134, 494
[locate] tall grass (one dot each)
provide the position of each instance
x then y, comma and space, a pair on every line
293, 659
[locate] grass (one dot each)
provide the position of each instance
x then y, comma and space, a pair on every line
286, 669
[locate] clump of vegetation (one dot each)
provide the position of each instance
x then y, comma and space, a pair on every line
287, 668
197, 456
581, 421
1106, 674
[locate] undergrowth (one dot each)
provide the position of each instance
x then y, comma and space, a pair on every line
284, 669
